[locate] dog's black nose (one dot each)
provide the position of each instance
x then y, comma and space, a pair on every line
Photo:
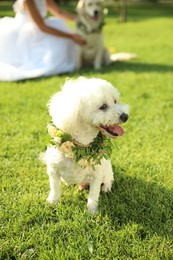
96, 12
124, 117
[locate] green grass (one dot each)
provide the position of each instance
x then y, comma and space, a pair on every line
135, 221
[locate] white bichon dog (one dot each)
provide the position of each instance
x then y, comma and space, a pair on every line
85, 114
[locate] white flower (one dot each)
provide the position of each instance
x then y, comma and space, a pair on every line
58, 139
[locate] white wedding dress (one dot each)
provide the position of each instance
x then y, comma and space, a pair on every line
26, 52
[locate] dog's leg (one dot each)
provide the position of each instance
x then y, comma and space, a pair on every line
106, 57
109, 176
55, 185
99, 55
84, 186
93, 196
98, 60
79, 58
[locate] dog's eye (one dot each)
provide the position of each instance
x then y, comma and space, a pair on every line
115, 101
103, 107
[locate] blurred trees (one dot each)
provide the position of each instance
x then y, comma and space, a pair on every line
121, 4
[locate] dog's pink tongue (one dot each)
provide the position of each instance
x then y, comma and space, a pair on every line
117, 130
96, 17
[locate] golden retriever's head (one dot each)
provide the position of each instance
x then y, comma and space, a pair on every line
93, 8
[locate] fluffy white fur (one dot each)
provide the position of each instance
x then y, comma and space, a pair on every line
79, 109
89, 26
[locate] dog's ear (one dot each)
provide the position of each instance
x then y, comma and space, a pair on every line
64, 108
80, 6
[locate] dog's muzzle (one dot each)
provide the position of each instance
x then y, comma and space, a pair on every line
95, 15
113, 131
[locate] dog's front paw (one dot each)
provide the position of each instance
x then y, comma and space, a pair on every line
52, 199
92, 210
92, 207
106, 187
97, 66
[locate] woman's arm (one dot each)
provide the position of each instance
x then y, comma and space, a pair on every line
30, 7
55, 10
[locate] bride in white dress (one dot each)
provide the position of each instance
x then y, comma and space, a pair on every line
32, 45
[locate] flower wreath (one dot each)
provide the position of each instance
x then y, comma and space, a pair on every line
89, 155
84, 28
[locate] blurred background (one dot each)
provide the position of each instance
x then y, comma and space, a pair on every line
123, 10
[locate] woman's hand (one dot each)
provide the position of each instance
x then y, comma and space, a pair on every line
39, 21
78, 39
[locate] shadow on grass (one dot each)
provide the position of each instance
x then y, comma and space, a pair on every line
116, 67
125, 67
136, 201
137, 67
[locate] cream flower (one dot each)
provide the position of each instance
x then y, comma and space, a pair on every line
85, 162
66, 148
53, 131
